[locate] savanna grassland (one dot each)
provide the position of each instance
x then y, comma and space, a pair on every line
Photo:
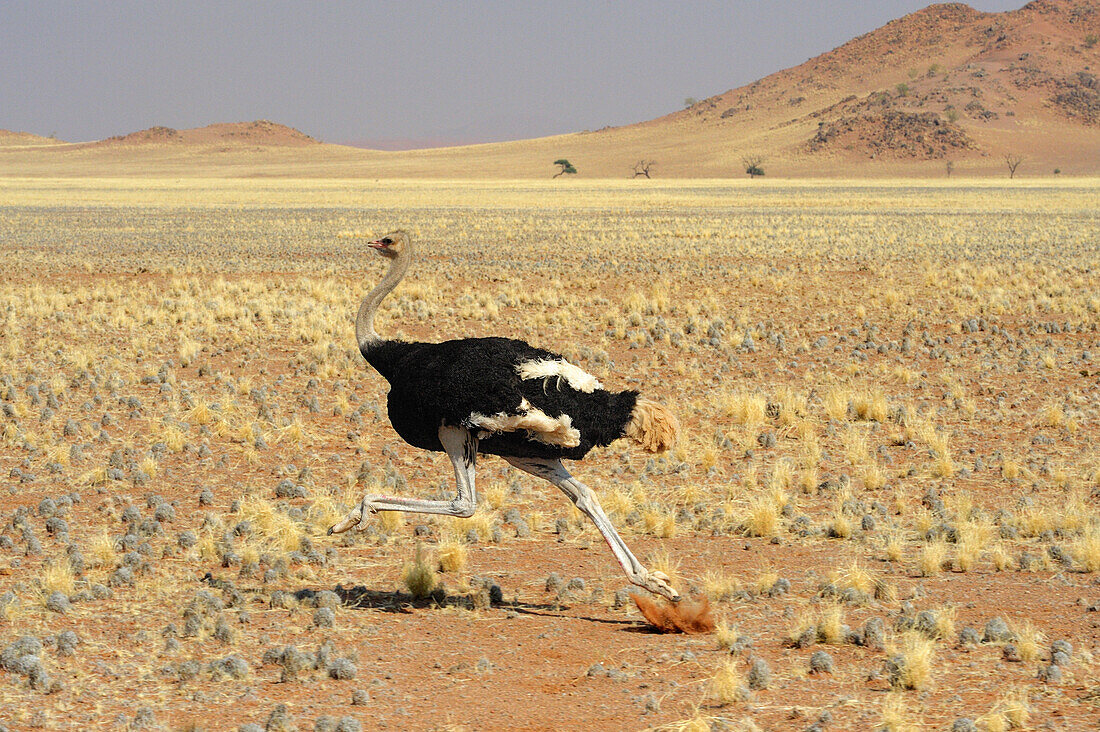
888, 486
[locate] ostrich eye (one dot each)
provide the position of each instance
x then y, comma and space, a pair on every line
387, 241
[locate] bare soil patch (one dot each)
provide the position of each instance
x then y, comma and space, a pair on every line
889, 395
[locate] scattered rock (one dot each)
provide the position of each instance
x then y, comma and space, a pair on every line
144, 719
14, 652
1063, 647
348, 724
67, 641
596, 670
997, 631
58, 602
232, 666
821, 663
1051, 674
874, 633
324, 617
342, 669
759, 675
293, 662
969, 637
280, 720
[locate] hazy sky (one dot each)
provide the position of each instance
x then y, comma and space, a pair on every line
399, 73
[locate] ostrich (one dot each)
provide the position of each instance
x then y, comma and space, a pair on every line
503, 397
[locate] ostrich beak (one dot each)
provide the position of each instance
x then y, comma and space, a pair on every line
377, 245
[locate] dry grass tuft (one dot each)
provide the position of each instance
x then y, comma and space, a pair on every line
719, 587
932, 558
271, 524
58, 577
1011, 711
103, 550
1085, 550
1029, 640
418, 577
452, 555
897, 715
762, 517
911, 661
726, 635
728, 685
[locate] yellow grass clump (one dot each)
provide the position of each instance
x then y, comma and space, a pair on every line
271, 524
727, 686
932, 558
911, 659
418, 577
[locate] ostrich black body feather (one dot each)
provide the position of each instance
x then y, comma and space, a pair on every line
437, 384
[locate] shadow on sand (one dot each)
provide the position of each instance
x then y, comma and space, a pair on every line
394, 601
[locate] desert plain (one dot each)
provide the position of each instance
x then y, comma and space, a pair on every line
888, 485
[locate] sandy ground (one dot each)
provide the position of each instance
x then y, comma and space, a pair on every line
867, 374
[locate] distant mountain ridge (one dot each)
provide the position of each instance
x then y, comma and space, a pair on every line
946, 88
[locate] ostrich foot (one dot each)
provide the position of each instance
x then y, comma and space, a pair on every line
357, 518
658, 583
462, 506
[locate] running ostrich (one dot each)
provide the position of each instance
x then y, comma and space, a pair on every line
503, 397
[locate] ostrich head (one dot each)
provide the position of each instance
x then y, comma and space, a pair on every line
397, 247
392, 244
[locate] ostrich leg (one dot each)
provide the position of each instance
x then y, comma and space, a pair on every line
581, 495
461, 447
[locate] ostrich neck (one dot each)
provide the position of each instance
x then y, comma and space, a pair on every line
364, 321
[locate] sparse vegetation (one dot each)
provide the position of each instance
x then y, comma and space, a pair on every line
180, 423
418, 577
565, 167
642, 168
754, 164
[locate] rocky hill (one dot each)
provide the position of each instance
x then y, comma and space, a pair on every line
260, 132
946, 81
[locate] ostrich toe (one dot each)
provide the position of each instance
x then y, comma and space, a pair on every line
658, 583
352, 519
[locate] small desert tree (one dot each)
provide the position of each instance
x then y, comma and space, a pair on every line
753, 164
1013, 162
642, 167
950, 166
566, 167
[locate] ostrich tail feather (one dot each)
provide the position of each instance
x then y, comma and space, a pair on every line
652, 426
